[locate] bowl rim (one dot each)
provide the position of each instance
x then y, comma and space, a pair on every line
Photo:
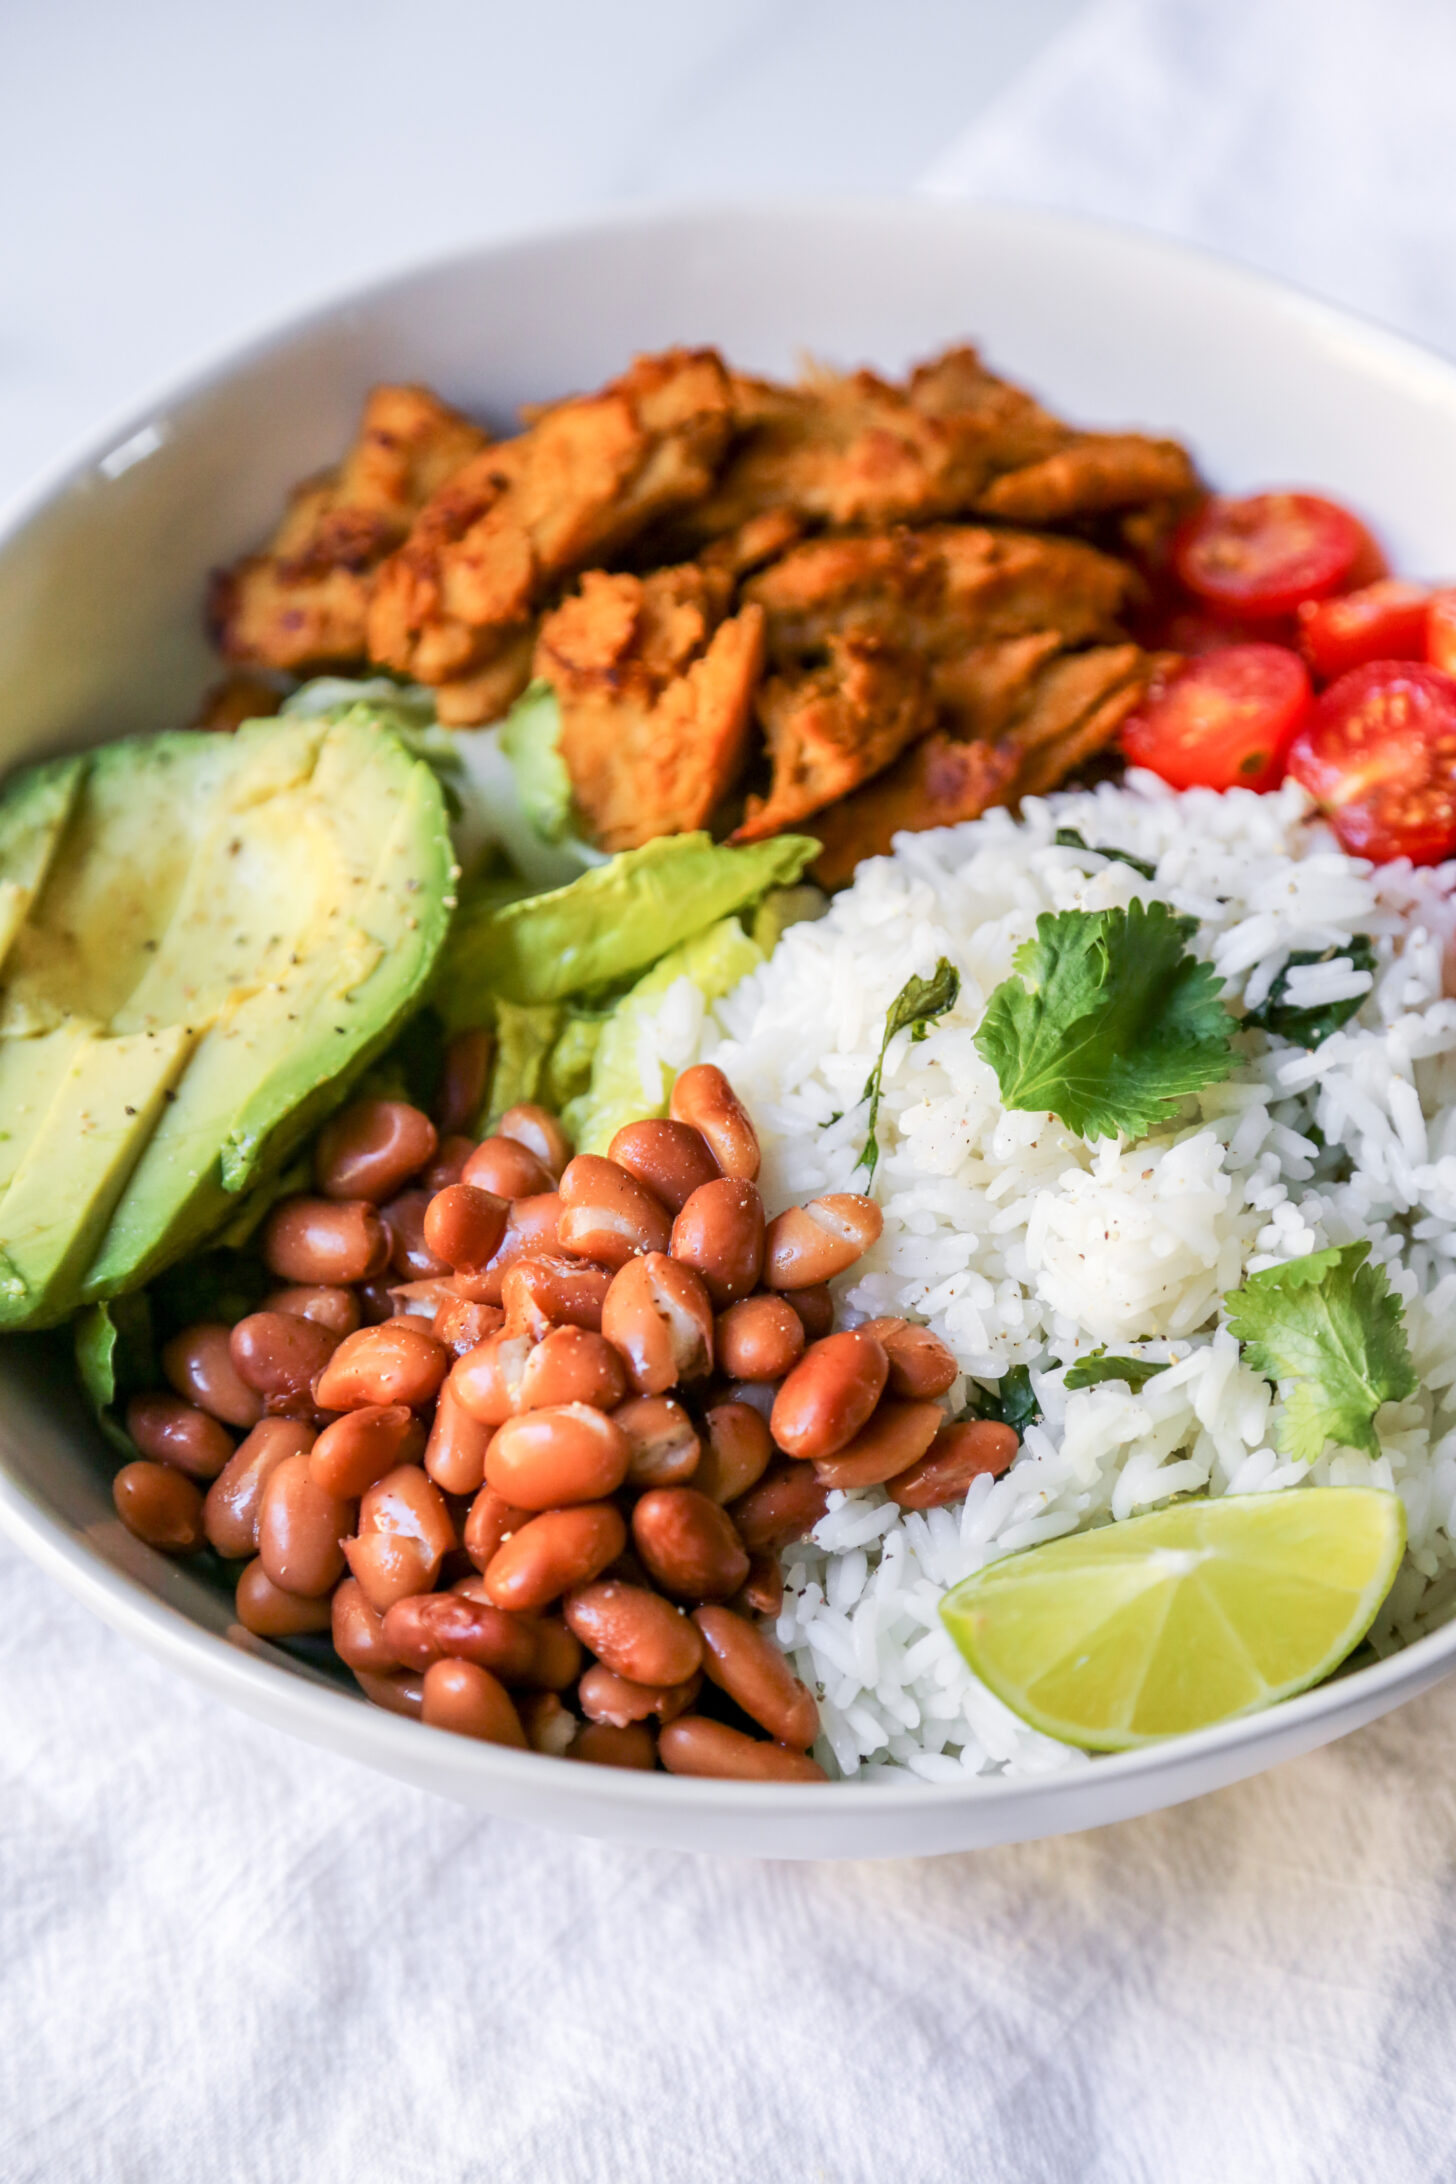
304, 1702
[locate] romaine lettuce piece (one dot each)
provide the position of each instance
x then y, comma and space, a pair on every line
530, 737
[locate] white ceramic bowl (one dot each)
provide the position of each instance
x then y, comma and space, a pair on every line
101, 574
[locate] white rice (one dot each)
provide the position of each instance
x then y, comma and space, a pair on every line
1020, 1243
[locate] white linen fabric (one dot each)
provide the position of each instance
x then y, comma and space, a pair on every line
228, 1959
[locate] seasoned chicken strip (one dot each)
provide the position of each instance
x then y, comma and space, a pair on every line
832, 727
656, 693
302, 604
579, 484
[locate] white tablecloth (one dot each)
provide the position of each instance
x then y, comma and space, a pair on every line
227, 1957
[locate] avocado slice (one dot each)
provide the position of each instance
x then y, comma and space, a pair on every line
229, 929
31, 824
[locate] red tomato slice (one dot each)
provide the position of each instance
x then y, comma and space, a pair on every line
1264, 555
1441, 631
1384, 621
1223, 720
1185, 625
1378, 755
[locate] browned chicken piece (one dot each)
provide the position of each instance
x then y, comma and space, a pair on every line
589, 475
857, 450
831, 727
1069, 708
656, 692
762, 538
232, 701
940, 590
488, 694
302, 604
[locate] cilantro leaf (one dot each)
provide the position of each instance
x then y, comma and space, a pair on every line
1013, 1402
1333, 1326
915, 1006
1110, 1021
1090, 1372
1307, 1027
1069, 838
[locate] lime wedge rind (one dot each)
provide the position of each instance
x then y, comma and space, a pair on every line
1086, 1639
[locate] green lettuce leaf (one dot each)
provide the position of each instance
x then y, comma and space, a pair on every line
615, 920
115, 1357
530, 737
1332, 1328
524, 1039
1109, 1022
714, 961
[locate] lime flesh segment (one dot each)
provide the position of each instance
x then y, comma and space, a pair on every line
1173, 1621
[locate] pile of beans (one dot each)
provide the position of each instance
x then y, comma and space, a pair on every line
526, 1433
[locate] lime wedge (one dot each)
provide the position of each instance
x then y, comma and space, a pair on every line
1192, 1615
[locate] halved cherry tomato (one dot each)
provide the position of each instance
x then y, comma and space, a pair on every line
1223, 720
1441, 631
1264, 555
1384, 621
1378, 754
1181, 624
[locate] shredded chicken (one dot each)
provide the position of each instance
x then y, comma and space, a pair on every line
577, 486
302, 604
656, 693
832, 727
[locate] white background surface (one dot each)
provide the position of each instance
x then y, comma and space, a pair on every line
224, 1957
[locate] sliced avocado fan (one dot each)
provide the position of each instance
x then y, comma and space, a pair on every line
203, 940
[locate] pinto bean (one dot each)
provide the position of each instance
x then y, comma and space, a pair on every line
663, 1446
669, 1158
448, 1165
507, 1169
410, 1257
269, 1612
200, 1365
531, 1228
558, 1657
920, 1364
455, 1450
404, 1535
422, 1300
958, 1454
607, 1215
549, 1459
815, 1309
486, 1382
604, 1696
323, 1303
159, 1505
703, 1098
280, 1353
400, 1362
688, 1544
449, 1627
358, 1632
549, 1726
537, 1128
169, 1431
637, 1633
460, 1696
896, 1437
318, 1241
813, 1243
491, 1519
551, 1289
602, 1744
546, 1557
742, 1661
762, 1592
300, 1525
736, 1453
694, 1745
658, 1315
464, 1226
376, 1302
461, 1325
371, 1148
401, 1693
362, 1446
829, 1395
230, 1512
759, 1338
785, 1505
463, 1082
720, 1233
572, 1365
